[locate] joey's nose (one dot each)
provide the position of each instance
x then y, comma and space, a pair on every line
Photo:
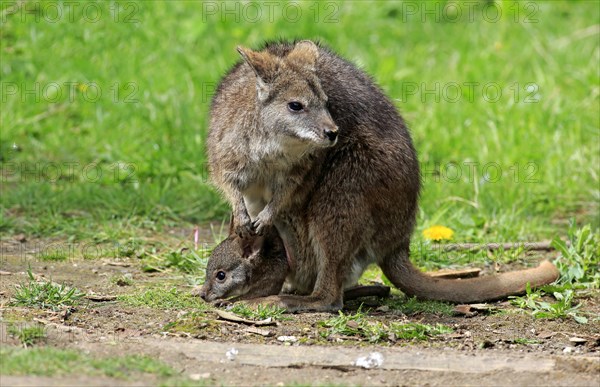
199, 291
331, 134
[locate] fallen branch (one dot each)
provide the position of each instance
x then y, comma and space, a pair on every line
237, 319
536, 246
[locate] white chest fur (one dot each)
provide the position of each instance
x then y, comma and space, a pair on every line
256, 198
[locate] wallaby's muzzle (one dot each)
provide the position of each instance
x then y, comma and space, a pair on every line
331, 135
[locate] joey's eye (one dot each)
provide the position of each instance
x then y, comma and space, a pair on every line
295, 106
221, 275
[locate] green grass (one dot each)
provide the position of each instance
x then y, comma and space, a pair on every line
53, 255
133, 158
45, 294
411, 306
360, 325
132, 161
193, 324
579, 267
163, 298
564, 306
48, 361
188, 261
259, 312
579, 262
122, 280
28, 335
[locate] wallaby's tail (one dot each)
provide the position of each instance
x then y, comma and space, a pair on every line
413, 282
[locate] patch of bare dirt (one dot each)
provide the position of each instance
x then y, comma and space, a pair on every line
502, 347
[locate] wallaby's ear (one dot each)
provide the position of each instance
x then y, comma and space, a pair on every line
251, 246
265, 67
304, 54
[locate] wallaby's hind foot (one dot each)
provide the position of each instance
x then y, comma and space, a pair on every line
360, 291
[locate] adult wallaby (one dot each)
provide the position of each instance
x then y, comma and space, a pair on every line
303, 140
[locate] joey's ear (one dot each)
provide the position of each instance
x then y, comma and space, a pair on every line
251, 246
231, 224
304, 54
265, 67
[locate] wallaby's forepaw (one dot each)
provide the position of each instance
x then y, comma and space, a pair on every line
244, 227
244, 231
262, 223
221, 303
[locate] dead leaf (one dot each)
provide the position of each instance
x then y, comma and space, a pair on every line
545, 334
258, 331
235, 318
464, 310
352, 324
21, 238
481, 307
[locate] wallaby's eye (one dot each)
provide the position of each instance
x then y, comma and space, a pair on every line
221, 275
295, 106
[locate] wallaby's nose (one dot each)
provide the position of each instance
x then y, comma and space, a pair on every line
331, 134
203, 294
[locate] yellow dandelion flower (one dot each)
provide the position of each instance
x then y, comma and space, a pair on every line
438, 233
82, 87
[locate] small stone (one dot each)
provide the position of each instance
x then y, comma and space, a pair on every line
197, 377
181, 313
577, 340
231, 354
287, 339
373, 360
568, 350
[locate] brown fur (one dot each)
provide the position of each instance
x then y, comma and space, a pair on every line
338, 204
257, 267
